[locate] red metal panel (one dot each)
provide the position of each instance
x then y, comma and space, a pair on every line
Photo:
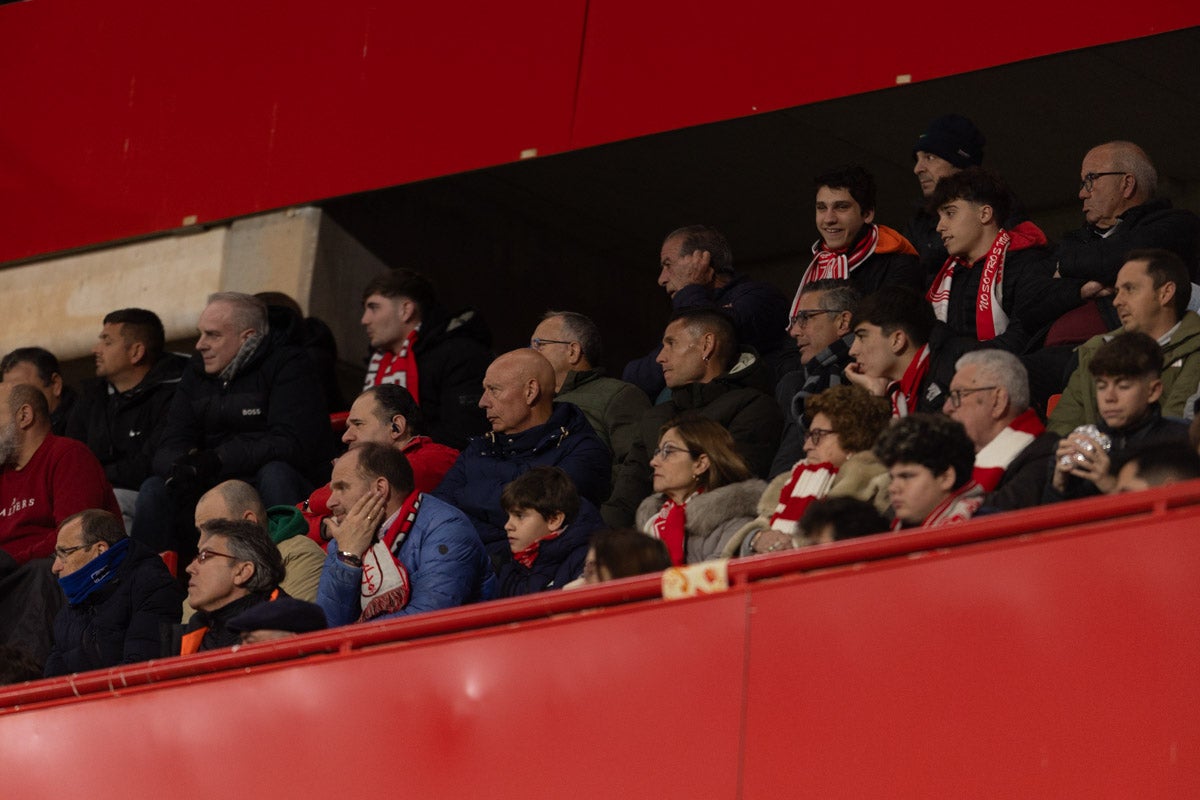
126, 117
651, 67
129, 117
571, 707
1050, 667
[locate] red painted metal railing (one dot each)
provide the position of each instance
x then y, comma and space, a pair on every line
1051, 652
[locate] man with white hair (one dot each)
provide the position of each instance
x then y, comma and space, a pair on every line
249, 407
989, 395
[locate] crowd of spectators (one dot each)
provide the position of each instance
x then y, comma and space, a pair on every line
970, 365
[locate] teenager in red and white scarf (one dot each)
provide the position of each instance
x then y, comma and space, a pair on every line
971, 206
930, 459
990, 397
392, 319
851, 246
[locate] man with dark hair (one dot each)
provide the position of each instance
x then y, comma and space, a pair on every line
571, 343
894, 355
286, 525
119, 595
950, 143
39, 367
929, 458
835, 519
248, 407
528, 429
820, 326
417, 344
395, 551
386, 414
122, 412
993, 284
1158, 465
1126, 375
696, 270
236, 568
851, 246
1153, 290
707, 372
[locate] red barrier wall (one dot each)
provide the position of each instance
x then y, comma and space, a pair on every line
129, 117
1051, 653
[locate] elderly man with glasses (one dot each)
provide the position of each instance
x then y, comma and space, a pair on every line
989, 395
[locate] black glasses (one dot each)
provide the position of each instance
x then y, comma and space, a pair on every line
206, 554
668, 450
801, 318
63, 552
957, 395
1085, 185
817, 434
536, 343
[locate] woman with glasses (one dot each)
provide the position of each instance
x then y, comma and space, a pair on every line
703, 490
844, 422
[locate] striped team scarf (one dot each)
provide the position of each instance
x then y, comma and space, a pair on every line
996, 455
397, 368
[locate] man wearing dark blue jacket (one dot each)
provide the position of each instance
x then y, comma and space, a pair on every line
119, 594
395, 551
528, 429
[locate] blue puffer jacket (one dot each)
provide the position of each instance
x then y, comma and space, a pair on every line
566, 440
121, 622
446, 565
559, 561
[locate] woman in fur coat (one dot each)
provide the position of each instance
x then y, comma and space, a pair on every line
703, 490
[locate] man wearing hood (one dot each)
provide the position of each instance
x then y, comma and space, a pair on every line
249, 407
706, 372
121, 413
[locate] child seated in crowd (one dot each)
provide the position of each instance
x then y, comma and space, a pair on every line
1127, 371
548, 529
930, 459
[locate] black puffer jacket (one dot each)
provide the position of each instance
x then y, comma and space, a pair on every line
452, 354
120, 623
272, 410
124, 429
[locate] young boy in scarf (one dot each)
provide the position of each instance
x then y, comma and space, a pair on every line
929, 458
548, 529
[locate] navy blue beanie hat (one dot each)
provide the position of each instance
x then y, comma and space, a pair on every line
954, 138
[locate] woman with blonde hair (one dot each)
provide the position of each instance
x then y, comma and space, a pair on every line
843, 424
704, 492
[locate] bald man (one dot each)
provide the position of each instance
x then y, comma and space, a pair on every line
528, 429
302, 557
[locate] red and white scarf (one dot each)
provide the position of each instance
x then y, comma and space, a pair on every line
903, 393
670, 525
994, 458
385, 585
837, 264
990, 319
809, 482
397, 368
959, 506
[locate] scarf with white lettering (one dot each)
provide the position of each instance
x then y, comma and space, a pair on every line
990, 319
809, 482
385, 584
396, 368
996, 455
